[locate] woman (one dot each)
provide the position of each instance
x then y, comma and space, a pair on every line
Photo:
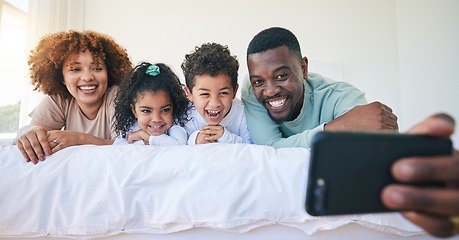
79, 71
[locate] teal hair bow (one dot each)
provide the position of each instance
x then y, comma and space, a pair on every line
152, 70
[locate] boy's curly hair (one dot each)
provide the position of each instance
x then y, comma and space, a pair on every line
212, 59
137, 82
47, 59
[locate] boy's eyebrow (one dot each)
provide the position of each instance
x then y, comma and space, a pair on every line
205, 89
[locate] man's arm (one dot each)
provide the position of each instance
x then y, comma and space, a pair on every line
373, 116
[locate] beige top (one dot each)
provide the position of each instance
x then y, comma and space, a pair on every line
61, 113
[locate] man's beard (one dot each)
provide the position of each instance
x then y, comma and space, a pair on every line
282, 119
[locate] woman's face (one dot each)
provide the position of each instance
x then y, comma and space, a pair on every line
86, 81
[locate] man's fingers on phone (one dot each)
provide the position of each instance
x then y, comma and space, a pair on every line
436, 225
426, 199
435, 126
423, 169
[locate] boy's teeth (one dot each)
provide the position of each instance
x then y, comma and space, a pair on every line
213, 112
277, 103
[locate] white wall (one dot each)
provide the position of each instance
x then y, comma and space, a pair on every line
401, 52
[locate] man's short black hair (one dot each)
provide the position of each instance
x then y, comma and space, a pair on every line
272, 38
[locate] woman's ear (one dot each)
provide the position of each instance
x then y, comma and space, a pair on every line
304, 66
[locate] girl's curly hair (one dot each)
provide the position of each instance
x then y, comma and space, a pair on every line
137, 82
212, 59
47, 59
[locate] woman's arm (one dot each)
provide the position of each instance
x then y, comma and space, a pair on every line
59, 139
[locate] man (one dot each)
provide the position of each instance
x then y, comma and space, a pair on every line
286, 105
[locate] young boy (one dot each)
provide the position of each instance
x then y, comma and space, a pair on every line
211, 84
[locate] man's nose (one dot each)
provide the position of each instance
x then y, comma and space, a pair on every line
271, 88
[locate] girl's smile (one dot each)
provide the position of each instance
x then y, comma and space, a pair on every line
153, 111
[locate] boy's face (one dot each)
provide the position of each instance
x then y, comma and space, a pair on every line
212, 96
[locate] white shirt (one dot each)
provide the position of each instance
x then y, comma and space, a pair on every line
175, 135
234, 125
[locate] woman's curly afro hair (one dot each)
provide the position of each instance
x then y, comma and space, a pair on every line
47, 59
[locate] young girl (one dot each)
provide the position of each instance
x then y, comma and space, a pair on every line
151, 107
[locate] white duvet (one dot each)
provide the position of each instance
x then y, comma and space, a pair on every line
96, 191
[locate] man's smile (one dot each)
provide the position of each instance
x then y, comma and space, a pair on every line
277, 103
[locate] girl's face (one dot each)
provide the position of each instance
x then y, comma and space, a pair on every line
153, 111
85, 81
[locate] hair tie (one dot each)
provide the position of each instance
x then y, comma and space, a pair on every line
152, 70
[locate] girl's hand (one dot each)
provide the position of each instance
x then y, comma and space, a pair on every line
212, 132
138, 135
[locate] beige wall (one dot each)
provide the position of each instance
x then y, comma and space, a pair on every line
401, 52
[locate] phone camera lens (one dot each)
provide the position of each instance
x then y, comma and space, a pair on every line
319, 196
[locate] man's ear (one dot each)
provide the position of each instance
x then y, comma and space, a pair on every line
133, 110
188, 94
304, 66
235, 90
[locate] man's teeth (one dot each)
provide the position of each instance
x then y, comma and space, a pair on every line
87, 88
277, 103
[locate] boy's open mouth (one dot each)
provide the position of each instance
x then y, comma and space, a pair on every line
213, 114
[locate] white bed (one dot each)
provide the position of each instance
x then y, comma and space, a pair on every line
224, 191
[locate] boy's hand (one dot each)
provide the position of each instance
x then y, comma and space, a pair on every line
212, 132
138, 135
200, 139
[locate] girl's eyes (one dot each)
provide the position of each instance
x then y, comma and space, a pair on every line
145, 111
75, 70
166, 110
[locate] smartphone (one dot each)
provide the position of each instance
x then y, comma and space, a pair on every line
348, 170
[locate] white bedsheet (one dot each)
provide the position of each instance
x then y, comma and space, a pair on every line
98, 191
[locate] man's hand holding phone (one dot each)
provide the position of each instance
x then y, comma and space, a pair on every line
434, 209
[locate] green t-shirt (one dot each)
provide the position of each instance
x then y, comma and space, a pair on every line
324, 101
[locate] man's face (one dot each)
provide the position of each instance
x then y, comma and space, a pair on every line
277, 81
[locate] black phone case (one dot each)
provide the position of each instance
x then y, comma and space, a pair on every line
348, 170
